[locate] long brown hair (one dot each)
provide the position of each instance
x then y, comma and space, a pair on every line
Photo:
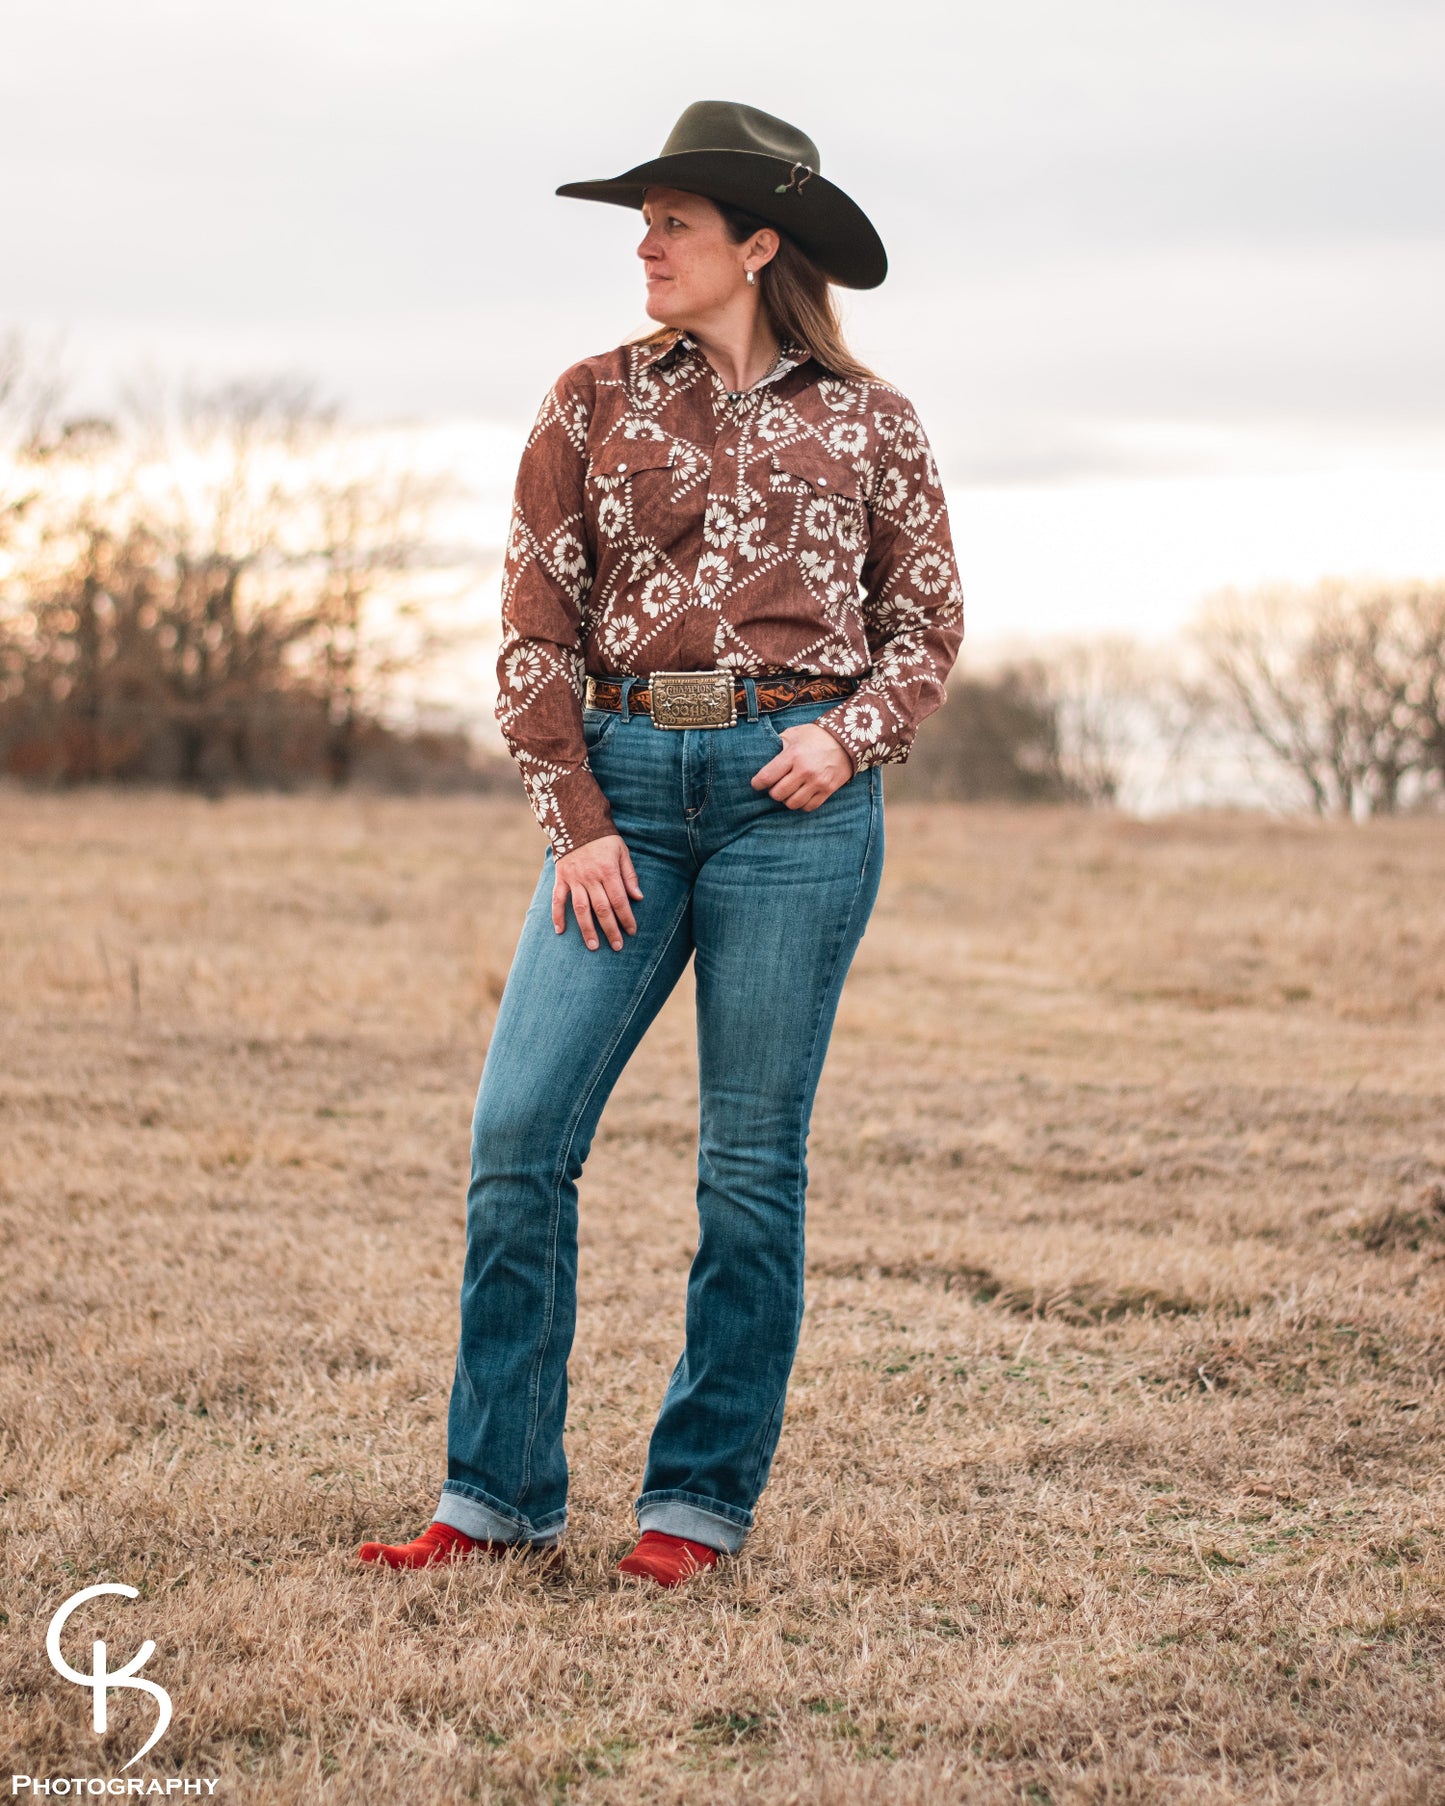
798, 298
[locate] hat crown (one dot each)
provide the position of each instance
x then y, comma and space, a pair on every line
728, 125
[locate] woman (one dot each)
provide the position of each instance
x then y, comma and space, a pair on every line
732, 531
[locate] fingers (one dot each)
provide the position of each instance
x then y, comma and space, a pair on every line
767, 775
599, 886
793, 782
600, 914
594, 912
582, 909
614, 901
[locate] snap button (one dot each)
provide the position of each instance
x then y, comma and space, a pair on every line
622, 467
729, 451
822, 482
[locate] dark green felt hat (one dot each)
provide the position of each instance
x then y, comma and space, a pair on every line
749, 159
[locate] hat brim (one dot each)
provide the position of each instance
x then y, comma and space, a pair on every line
823, 221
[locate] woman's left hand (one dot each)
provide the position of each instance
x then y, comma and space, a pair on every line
810, 767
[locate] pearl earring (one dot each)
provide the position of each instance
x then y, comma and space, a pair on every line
750, 275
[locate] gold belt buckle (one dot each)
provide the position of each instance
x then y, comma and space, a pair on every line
692, 699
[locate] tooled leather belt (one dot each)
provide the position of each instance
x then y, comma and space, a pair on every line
710, 698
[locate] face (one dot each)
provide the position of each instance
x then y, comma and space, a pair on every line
692, 267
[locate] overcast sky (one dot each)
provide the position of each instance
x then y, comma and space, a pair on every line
1127, 235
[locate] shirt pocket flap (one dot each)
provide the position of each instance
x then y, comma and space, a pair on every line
826, 473
620, 457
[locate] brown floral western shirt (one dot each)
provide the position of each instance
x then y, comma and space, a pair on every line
663, 523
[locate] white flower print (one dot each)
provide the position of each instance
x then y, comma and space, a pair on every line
773, 421
713, 572
540, 791
848, 438
523, 666
569, 556
815, 566
611, 517
749, 544
818, 519
686, 463
718, 525
838, 655
850, 528
893, 490
864, 720
898, 612
918, 513
930, 573
893, 659
908, 440
619, 636
659, 593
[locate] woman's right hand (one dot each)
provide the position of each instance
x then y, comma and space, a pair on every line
599, 878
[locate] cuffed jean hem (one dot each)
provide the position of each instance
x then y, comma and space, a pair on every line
699, 1520
481, 1520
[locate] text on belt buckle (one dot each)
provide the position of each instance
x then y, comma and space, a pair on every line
692, 699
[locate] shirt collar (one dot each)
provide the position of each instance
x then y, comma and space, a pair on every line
669, 352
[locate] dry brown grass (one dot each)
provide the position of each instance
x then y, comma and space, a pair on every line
1112, 1465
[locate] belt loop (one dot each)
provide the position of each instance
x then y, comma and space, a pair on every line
627, 684
752, 690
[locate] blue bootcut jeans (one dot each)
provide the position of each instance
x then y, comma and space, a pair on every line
772, 902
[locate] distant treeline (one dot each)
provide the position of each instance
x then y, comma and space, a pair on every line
1330, 698
217, 590
141, 656
221, 590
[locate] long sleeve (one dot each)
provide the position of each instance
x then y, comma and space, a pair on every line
546, 575
912, 608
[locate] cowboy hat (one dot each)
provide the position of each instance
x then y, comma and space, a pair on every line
749, 159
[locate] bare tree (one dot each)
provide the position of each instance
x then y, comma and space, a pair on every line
210, 594
29, 396
995, 739
1341, 685
1125, 713
370, 544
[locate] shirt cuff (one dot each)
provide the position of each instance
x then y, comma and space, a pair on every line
866, 727
570, 807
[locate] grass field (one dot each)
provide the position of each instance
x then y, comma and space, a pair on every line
1112, 1467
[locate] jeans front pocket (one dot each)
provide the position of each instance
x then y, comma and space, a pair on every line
598, 726
795, 715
